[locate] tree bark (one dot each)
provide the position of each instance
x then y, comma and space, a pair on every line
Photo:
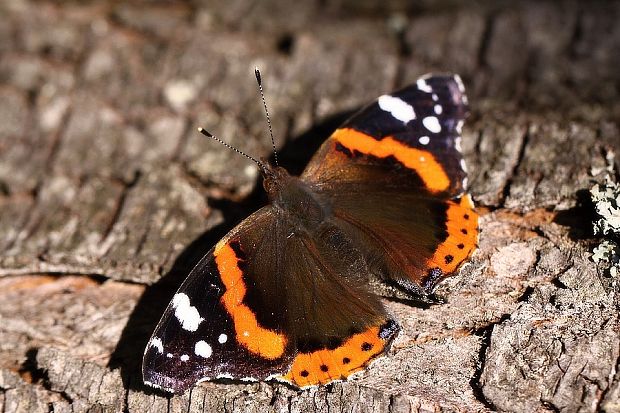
109, 196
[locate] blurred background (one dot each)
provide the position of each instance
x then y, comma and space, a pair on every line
108, 195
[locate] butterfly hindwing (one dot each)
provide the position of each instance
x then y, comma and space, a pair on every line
416, 241
338, 325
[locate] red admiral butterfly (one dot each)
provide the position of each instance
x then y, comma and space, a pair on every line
285, 294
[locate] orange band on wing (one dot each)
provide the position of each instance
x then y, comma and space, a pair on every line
324, 366
249, 333
422, 162
462, 227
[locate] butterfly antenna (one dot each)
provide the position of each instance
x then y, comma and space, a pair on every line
215, 138
262, 96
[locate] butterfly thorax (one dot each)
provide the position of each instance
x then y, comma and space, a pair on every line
293, 198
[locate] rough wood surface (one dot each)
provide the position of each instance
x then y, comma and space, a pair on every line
108, 196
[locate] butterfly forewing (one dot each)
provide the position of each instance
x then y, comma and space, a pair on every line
408, 140
205, 331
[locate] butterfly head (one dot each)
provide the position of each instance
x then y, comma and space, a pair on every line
274, 178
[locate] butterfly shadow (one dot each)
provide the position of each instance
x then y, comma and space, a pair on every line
579, 219
127, 356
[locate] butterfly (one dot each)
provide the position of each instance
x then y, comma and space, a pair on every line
285, 295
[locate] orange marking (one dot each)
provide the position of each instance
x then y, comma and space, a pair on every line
324, 366
266, 343
462, 238
422, 162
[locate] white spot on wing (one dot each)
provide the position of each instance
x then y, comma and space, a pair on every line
457, 144
184, 357
248, 379
424, 140
423, 86
222, 338
459, 126
169, 355
463, 166
432, 124
157, 343
435, 97
465, 183
150, 383
438, 109
397, 107
206, 378
187, 314
459, 82
246, 333
157, 386
203, 349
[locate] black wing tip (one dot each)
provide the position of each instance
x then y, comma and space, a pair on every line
154, 367
452, 81
441, 77
165, 383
